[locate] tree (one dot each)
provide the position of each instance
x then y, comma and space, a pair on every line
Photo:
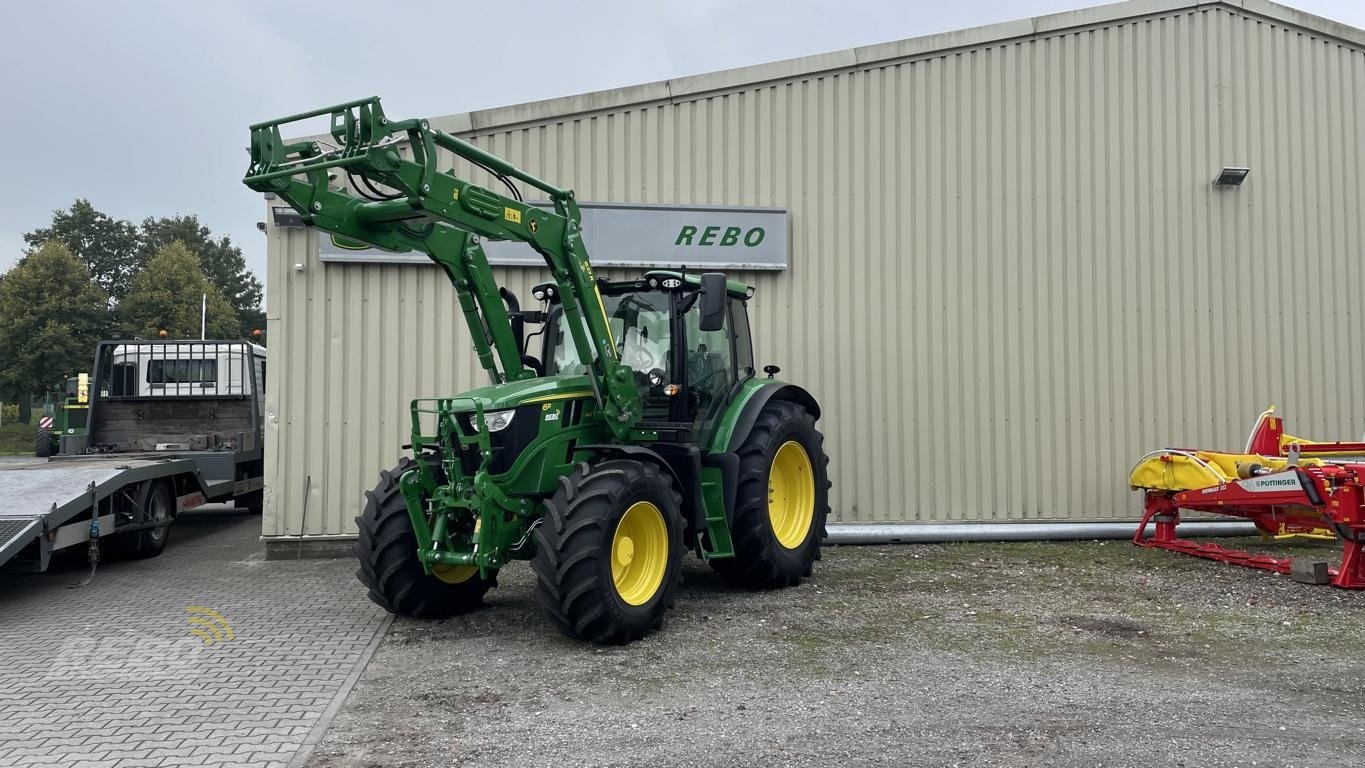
107, 246
221, 261
252, 320
51, 315
165, 295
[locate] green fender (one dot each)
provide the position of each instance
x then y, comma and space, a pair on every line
739, 418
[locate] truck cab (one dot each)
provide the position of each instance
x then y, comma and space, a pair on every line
176, 395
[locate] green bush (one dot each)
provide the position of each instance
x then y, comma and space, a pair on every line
9, 414
16, 438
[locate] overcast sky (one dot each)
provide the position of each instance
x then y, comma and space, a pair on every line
142, 107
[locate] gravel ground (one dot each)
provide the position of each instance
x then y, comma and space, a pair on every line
1034, 654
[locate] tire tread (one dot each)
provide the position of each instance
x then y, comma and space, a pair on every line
388, 564
759, 561
579, 516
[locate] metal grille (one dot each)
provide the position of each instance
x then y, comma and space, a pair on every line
13, 526
173, 369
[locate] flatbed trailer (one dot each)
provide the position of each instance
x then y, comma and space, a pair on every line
173, 425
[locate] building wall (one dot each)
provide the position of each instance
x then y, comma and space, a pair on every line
1010, 274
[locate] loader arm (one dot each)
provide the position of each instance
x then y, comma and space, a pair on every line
403, 202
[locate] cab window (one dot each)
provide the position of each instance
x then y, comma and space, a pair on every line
640, 326
744, 345
710, 365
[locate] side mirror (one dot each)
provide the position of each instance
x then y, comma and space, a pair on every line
712, 301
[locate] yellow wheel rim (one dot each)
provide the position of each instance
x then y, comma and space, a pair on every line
454, 574
639, 553
791, 495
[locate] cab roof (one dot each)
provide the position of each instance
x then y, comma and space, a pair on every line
653, 280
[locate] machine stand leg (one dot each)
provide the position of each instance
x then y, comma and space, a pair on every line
1351, 574
1165, 526
1157, 508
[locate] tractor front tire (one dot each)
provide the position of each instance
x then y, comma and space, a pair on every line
42, 444
782, 502
609, 551
389, 564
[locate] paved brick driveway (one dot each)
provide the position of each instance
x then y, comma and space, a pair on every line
111, 675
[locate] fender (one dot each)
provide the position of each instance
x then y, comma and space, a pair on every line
743, 412
690, 487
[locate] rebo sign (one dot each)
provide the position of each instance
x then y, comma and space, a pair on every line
752, 238
641, 235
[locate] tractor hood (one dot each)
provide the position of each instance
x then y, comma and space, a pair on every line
495, 397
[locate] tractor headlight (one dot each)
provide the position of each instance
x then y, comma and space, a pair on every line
497, 421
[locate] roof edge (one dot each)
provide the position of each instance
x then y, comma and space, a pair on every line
974, 37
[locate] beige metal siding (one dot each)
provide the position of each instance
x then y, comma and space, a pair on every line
1010, 274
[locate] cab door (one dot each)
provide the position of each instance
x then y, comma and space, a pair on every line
710, 370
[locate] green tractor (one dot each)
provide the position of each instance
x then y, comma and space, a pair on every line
641, 430
65, 408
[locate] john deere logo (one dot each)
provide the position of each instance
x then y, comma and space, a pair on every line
728, 236
208, 625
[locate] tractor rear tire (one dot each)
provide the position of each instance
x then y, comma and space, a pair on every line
42, 444
782, 502
609, 551
389, 564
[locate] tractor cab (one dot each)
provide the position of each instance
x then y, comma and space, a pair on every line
685, 366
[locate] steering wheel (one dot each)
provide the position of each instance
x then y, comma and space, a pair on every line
641, 358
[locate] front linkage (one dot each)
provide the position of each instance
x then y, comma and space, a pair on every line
465, 520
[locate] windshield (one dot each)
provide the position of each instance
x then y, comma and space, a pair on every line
640, 325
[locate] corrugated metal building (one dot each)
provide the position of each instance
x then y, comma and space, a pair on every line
1010, 274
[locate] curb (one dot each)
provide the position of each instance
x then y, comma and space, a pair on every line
310, 743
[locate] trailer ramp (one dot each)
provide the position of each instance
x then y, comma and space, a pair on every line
38, 497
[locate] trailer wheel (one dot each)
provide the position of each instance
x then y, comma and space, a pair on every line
782, 501
156, 505
42, 443
609, 551
390, 568
250, 502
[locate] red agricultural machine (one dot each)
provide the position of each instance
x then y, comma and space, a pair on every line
1286, 486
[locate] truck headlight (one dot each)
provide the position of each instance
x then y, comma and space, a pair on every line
497, 421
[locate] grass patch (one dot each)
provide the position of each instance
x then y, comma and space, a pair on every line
16, 439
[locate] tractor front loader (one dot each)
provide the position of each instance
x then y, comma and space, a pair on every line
640, 431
